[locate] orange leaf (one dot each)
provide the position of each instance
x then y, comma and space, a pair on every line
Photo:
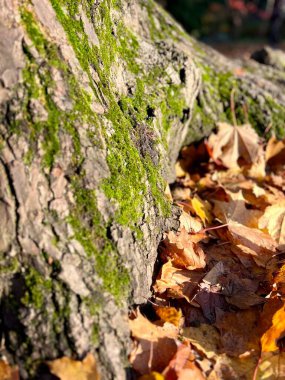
169, 314
183, 252
269, 340
7, 372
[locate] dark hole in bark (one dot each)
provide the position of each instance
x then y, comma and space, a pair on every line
186, 114
182, 74
109, 233
150, 112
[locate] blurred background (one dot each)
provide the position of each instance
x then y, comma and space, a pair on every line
231, 26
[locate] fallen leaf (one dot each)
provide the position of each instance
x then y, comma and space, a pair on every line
202, 209
69, 369
8, 372
270, 341
272, 366
275, 152
182, 366
152, 376
169, 314
205, 338
191, 224
240, 292
230, 368
257, 169
181, 283
156, 344
238, 332
232, 143
183, 252
274, 221
252, 242
235, 210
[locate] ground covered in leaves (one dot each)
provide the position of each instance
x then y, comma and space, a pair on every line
217, 310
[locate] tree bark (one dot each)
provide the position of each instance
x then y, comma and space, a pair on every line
97, 98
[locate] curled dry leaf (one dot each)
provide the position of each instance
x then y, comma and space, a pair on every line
191, 224
156, 345
183, 252
232, 143
252, 242
68, 369
180, 283
274, 221
235, 210
182, 366
271, 339
275, 152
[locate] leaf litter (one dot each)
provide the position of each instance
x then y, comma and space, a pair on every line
217, 309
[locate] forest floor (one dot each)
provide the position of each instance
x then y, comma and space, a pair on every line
217, 310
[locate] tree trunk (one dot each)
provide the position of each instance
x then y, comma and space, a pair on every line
97, 98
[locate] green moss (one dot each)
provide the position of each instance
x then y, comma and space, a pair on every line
90, 231
37, 288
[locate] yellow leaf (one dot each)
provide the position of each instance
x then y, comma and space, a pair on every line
152, 376
68, 369
269, 340
202, 209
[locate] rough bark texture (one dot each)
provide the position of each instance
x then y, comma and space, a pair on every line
96, 100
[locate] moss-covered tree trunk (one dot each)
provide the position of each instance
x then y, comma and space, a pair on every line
96, 100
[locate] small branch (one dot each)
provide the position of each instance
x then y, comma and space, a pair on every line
233, 107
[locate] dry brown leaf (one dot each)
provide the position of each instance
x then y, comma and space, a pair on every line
191, 224
8, 372
240, 292
182, 366
238, 332
275, 152
183, 252
271, 367
180, 283
252, 242
235, 210
270, 340
257, 170
234, 142
156, 345
205, 338
274, 221
69, 369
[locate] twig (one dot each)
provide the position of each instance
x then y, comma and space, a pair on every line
213, 228
233, 107
256, 369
